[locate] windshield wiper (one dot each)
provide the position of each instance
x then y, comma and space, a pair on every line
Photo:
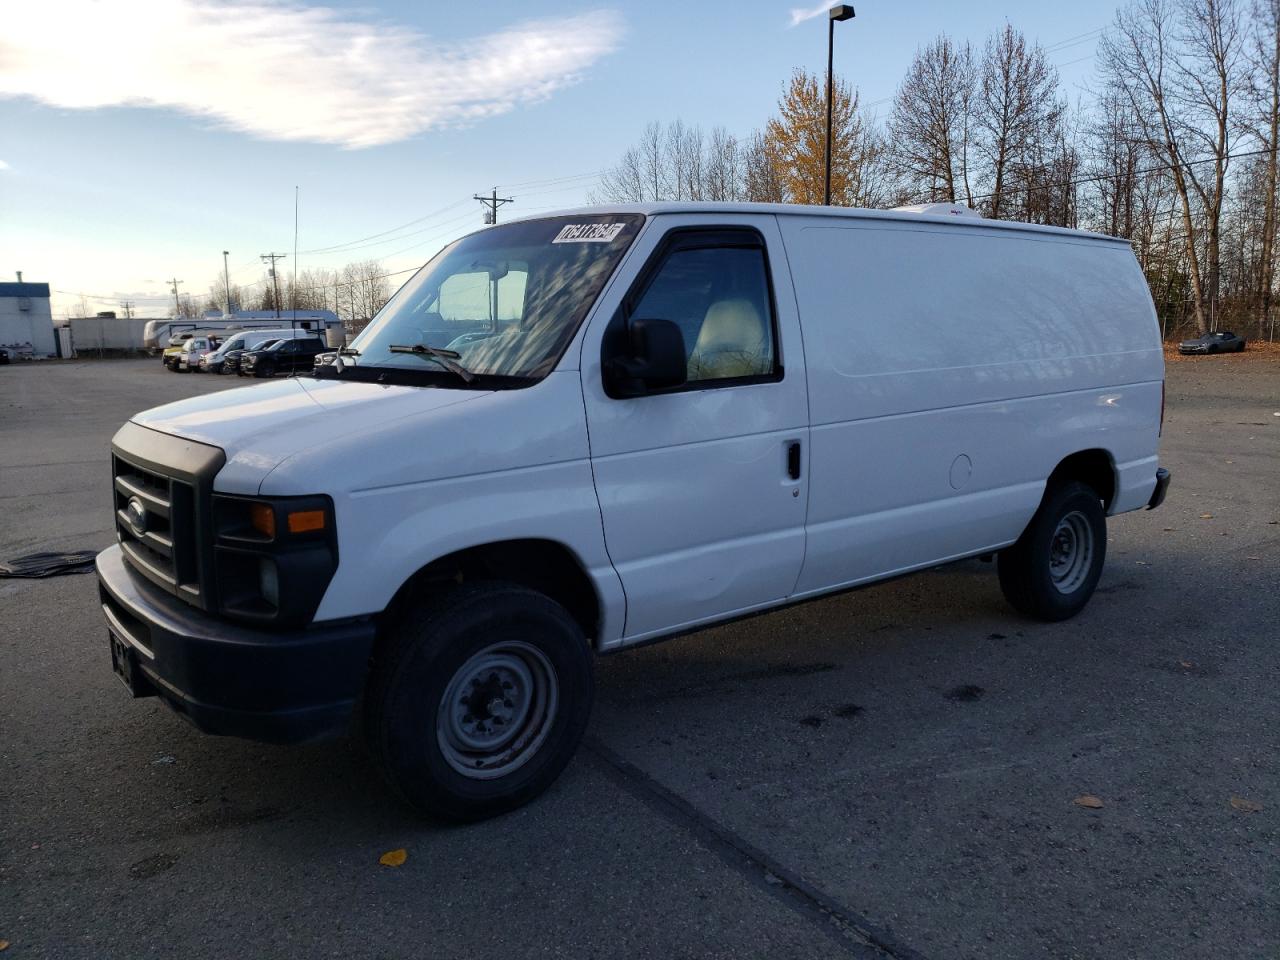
446, 358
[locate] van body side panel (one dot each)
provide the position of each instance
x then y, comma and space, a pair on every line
701, 518
951, 369
506, 465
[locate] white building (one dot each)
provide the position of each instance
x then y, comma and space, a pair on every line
26, 321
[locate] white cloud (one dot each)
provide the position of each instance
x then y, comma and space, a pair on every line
283, 71
799, 16
3, 166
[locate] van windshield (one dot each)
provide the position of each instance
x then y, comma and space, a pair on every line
504, 302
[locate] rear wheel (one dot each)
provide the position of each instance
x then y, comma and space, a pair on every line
1052, 570
480, 700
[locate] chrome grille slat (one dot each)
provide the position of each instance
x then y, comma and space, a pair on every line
153, 502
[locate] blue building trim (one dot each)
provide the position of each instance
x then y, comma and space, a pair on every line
24, 290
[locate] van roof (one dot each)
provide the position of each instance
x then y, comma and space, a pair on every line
924, 214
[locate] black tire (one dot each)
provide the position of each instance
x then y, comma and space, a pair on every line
433, 650
1040, 575
260, 371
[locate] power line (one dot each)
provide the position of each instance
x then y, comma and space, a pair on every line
338, 247
553, 180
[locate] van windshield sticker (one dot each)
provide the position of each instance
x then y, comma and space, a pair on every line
589, 233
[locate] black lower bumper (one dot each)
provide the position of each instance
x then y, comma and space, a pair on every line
1162, 488
277, 687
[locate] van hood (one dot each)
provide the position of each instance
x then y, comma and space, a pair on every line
261, 426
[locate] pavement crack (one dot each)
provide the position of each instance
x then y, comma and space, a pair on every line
858, 935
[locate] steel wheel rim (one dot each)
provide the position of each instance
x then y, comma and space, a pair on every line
497, 710
1071, 552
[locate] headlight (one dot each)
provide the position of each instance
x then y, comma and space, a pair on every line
273, 557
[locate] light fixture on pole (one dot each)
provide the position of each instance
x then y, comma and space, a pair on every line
840, 12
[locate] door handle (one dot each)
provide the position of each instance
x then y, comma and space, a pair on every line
793, 459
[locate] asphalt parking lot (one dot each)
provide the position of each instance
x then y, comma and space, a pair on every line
887, 773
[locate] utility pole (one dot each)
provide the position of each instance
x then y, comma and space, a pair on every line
275, 281
127, 307
177, 307
492, 203
226, 281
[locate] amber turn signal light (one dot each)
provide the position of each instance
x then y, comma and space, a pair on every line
263, 519
306, 521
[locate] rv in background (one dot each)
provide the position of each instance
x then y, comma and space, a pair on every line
159, 334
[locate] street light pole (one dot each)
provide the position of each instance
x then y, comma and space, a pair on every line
840, 12
226, 281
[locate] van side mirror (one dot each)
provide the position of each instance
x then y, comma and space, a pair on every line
657, 360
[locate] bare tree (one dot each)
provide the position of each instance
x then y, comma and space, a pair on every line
1178, 62
762, 182
1017, 107
624, 182
722, 168
930, 125
1262, 120
676, 162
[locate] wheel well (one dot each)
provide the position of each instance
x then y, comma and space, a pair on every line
542, 565
1093, 467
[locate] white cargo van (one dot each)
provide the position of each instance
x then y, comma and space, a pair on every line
571, 434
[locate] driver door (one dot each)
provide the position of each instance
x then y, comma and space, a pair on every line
703, 488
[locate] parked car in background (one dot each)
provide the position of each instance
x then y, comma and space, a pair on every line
169, 356
246, 340
193, 350
231, 360
317, 323
1223, 341
295, 355
4, 355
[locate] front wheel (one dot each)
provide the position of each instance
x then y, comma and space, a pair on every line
1052, 570
480, 700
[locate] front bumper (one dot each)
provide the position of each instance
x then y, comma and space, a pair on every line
226, 679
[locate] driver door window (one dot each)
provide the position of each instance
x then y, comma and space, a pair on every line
719, 297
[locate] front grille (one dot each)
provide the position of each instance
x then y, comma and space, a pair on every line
166, 483
168, 546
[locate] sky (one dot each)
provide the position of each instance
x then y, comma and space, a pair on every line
140, 139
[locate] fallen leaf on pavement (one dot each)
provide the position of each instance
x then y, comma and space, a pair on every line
4, 944
1185, 664
1248, 806
1088, 800
393, 858
1206, 516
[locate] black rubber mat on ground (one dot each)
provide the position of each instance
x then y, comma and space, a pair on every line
48, 564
